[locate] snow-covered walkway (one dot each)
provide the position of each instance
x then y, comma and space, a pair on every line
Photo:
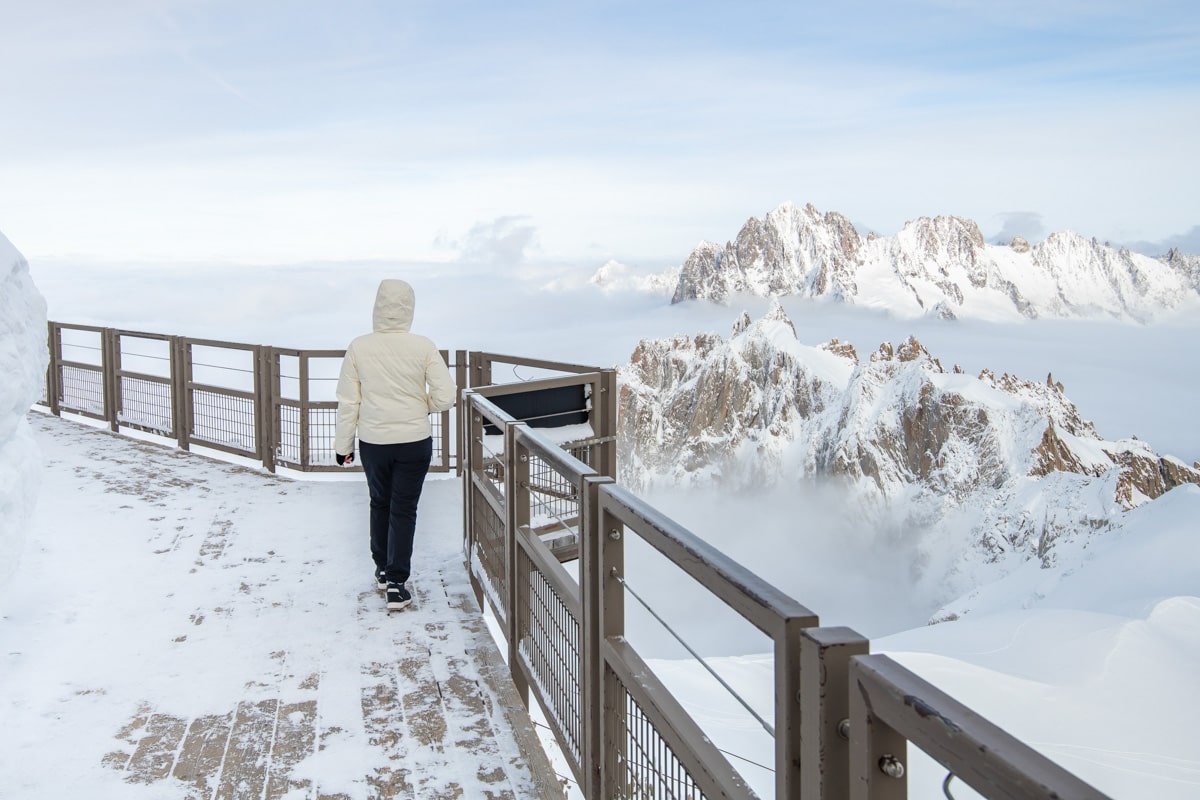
181, 627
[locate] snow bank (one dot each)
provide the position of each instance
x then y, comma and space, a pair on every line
23, 364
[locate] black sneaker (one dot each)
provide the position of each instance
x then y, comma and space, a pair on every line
398, 597
381, 580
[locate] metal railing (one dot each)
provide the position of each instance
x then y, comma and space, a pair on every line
274, 405
842, 720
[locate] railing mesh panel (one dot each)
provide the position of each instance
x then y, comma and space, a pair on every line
549, 638
553, 497
223, 419
322, 428
647, 768
289, 434
587, 453
82, 390
489, 545
440, 461
147, 404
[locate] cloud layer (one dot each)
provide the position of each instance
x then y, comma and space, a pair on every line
224, 131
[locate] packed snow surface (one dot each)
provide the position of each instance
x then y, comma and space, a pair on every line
168, 604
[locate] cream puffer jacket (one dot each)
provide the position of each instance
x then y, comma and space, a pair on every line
391, 380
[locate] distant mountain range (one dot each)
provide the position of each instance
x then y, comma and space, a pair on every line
934, 266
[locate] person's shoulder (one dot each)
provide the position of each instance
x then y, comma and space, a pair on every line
357, 341
422, 341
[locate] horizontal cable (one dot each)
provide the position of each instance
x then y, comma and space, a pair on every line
555, 414
747, 760
144, 355
697, 656
562, 523
218, 366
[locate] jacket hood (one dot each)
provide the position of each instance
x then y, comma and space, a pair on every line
393, 306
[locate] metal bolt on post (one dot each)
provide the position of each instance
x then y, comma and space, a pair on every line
891, 766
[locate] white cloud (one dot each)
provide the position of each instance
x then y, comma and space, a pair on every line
632, 147
1026, 224
502, 242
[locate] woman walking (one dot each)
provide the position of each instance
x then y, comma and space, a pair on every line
391, 381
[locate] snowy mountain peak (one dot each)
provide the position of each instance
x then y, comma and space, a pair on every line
938, 266
789, 251
762, 408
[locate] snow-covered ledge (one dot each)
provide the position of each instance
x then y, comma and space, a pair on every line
23, 359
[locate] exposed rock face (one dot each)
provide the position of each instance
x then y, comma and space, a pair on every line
1188, 266
790, 251
694, 400
937, 266
762, 408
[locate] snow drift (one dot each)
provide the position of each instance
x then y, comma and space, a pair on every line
23, 360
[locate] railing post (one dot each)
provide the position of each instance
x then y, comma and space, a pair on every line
824, 705
117, 392
267, 391
54, 368
481, 371
610, 542
788, 750
473, 455
460, 381
878, 754
591, 582
516, 513
178, 392
305, 457
189, 405
445, 455
110, 365
607, 405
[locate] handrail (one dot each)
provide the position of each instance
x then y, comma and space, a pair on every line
250, 418
891, 705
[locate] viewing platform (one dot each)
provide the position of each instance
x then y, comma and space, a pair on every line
205, 630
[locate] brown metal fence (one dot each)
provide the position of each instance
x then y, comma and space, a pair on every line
270, 404
842, 720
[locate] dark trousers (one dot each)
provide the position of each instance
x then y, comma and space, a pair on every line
395, 475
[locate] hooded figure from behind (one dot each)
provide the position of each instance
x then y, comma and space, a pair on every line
391, 381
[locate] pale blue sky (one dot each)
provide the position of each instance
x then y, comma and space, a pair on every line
573, 132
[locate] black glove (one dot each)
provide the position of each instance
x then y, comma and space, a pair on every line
342, 460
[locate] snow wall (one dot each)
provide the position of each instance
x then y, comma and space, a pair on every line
23, 360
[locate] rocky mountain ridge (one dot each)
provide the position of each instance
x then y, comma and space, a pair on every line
937, 266
1010, 460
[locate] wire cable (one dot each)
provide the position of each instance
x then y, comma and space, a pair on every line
218, 366
767, 727
125, 353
